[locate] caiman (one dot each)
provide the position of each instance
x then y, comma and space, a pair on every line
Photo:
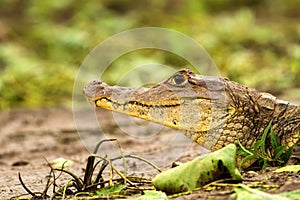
213, 111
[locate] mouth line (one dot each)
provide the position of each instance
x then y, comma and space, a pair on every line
133, 102
178, 102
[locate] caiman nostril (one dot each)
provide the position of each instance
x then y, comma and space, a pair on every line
95, 82
92, 87
98, 81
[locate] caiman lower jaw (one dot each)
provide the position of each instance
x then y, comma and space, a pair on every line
104, 103
155, 113
178, 114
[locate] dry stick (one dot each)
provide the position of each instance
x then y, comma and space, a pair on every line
102, 141
99, 175
253, 191
109, 161
131, 156
143, 180
24, 186
89, 170
82, 193
96, 184
65, 189
122, 176
55, 192
56, 178
77, 180
91, 167
110, 173
144, 160
90, 164
220, 182
112, 167
48, 185
124, 160
102, 167
121, 152
179, 194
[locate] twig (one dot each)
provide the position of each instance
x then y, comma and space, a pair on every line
130, 156
110, 173
77, 180
144, 160
101, 142
26, 188
65, 189
121, 175
124, 160
220, 183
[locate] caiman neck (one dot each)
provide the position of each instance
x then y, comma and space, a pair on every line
286, 122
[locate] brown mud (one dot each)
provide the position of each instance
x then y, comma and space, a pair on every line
30, 137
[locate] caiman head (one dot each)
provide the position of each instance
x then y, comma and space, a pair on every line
212, 111
185, 101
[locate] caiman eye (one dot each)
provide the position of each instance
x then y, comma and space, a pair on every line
179, 79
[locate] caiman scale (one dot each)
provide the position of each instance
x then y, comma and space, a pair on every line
212, 111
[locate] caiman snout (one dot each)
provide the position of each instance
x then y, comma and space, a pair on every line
93, 88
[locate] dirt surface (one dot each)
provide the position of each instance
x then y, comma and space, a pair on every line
30, 137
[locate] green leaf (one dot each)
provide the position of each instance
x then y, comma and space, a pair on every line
257, 144
110, 190
288, 168
274, 140
263, 139
152, 194
60, 163
247, 193
288, 153
266, 164
241, 152
278, 152
292, 195
246, 159
200, 171
279, 156
244, 151
266, 131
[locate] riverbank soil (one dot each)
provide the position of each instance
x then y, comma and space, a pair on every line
31, 138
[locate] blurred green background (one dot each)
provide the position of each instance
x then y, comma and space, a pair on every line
43, 43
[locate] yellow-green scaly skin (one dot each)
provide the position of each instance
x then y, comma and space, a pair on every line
212, 111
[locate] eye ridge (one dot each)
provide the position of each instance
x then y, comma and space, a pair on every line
179, 79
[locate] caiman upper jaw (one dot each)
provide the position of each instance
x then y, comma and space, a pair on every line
93, 88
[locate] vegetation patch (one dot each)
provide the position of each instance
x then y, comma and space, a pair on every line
93, 185
263, 157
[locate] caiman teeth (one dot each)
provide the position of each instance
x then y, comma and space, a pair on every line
104, 101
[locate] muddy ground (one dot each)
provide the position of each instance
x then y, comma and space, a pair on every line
30, 137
